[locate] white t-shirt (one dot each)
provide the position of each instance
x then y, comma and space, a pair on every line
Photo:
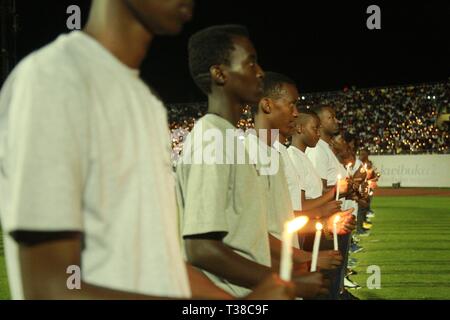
325, 162
295, 184
84, 146
227, 198
280, 206
356, 166
307, 173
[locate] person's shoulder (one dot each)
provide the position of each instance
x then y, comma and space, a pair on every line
53, 62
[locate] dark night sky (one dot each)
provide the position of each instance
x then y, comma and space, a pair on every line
323, 46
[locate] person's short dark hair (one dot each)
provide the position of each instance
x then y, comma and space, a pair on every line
318, 108
306, 110
273, 82
209, 47
305, 113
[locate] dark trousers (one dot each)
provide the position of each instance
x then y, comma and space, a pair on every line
334, 276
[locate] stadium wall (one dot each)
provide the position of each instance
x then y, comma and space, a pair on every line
413, 170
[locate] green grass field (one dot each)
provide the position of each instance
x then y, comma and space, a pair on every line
4, 290
409, 241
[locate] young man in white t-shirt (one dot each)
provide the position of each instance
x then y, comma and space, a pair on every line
86, 181
226, 235
277, 111
328, 167
307, 136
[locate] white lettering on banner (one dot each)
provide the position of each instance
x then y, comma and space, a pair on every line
413, 170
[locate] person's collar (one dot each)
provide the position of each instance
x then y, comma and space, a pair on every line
277, 145
321, 141
296, 149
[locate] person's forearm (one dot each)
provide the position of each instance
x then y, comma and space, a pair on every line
314, 217
300, 256
55, 288
44, 277
308, 204
312, 214
203, 288
217, 258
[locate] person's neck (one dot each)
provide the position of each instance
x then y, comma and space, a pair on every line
325, 137
298, 143
225, 107
261, 122
114, 27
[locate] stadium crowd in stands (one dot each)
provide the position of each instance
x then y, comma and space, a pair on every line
389, 120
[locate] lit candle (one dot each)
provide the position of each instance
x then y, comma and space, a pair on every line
337, 186
290, 228
315, 253
335, 238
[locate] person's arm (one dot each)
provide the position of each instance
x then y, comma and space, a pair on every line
214, 256
298, 256
345, 225
202, 287
323, 211
44, 266
327, 259
325, 186
307, 285
308, 204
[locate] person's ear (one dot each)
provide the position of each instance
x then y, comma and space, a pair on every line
217, 75
266, 105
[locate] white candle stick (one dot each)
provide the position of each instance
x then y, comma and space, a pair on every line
290, 228
315, 253
337, 186
335, 238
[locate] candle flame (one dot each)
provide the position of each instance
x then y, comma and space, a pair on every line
319, 226
336, 219
339, 177
296, 224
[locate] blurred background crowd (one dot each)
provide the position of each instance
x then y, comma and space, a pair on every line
387, 120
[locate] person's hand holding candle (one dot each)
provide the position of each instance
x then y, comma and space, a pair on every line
345, 224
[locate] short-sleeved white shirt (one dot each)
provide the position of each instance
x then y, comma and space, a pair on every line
294, 181
307, 173
84, 146
223, 198
325, 162
356, 166
280, 206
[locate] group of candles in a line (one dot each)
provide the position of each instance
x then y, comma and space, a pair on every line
293, 226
